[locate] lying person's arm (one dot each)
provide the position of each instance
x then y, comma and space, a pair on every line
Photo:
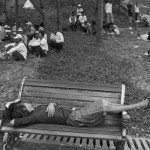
23, 121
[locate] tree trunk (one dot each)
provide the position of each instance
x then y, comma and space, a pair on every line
5, 9
44, 17
16, 10
119, 6
99, 20
58, 15
134, 21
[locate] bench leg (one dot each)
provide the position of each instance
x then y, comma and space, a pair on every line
10, 141
120, 145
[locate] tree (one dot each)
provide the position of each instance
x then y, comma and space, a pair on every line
39, 5
134, 22
99, 20
16, 10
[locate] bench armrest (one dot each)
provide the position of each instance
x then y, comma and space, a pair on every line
125, 122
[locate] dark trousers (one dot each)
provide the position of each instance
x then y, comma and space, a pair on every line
73, 27
57, 46
17, 56
38, 51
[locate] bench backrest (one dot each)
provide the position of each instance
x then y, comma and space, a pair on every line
69, 94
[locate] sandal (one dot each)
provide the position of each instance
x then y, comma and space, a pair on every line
148, 105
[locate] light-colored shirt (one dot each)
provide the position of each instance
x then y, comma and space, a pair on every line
59, 37
43, 43
116, 30
144, 37
79, 10
21, 48
34, 42
137, 9
108, 8
82, 19
72, 19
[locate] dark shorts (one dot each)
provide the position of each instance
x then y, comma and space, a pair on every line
91, 115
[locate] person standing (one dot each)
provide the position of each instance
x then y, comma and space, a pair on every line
129, 6
108, 9
137, 12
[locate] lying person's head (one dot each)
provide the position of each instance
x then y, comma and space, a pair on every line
22, 110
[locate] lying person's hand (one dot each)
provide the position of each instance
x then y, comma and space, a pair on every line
50, 110
12, 122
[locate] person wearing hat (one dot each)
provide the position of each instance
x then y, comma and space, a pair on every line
82, 21
34, 42
40, 46
79, 10
41, 29
30, 30
17, 50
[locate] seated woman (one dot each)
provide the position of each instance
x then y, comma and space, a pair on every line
57, 40
20, 114
39, 45
113, 29
17, 50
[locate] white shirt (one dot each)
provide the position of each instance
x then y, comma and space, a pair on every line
21, 48
82, 19
137, 10
34, 42
144, 37
116, 30
59, 37
72, 19
79, 10
43, 43
108, 8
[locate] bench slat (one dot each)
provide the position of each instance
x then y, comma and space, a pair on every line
98, 135
67, 102
73, 82
61, 96
73, 86
71, 92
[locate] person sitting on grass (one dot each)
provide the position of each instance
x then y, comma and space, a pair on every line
91, 30
113, 30
82, 20
144, 37
57, 40
34, 42
17, 50
21, 114
73, 21
30, 31
39, 45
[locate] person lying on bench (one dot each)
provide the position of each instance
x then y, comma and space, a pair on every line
20, 114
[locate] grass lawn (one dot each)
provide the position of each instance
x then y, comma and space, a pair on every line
116, 61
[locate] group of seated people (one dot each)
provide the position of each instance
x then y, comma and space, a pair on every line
79, 20
33, 42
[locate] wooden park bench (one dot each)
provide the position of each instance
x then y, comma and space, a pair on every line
109, 135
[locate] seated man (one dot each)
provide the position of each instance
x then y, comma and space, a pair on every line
91, 29
144, 37
30, 30
57, 41
39, 45
73, 21
34, 42
82, 20
17, 50
20, 114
